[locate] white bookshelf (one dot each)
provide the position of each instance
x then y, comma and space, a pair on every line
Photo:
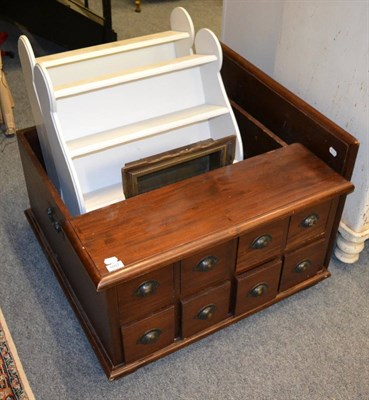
97, 124
140, 130
91, 62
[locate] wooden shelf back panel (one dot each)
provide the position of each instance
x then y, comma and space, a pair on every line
285, 114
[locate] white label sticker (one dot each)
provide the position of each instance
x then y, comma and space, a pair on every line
110, 260
112, 264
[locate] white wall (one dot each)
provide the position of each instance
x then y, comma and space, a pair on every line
327, 42
318, 50
251, 28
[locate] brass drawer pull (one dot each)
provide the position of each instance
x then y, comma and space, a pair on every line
150, 336
206, 264
206, 312
259, 290
261, 242
146, 288
302, 266
310, 221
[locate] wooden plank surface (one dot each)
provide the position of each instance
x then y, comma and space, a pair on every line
163, 226
285, 114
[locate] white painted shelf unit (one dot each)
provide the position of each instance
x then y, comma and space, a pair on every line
91, 62
97, 124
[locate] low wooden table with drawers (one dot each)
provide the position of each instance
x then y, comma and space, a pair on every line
198, 255
158, 271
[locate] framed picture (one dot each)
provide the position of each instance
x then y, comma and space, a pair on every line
172, 166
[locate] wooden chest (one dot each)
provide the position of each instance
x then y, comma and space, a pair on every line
156, 272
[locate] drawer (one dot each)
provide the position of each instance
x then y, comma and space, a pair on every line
146, 294
307, 224
261, 244
258, 286
148, 335
303, 263
202, 311
207, 267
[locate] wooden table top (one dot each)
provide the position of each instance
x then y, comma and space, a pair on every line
164, 225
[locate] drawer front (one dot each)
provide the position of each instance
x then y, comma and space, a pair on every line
207, 267
148, 335
302, 264
257, 287
261, 244
308, 224
146, 294
200, 312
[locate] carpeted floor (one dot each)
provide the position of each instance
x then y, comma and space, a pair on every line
312, 346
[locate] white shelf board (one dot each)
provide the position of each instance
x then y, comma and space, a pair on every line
105, 49
103, 197
138, 131
130, 75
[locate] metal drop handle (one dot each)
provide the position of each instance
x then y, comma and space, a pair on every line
310, 220
150, 336
261, 242
206, 312
259, 289
206, 264
146, 288
302, 266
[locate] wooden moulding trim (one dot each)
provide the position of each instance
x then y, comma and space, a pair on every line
134, 171
123, 370
350, 142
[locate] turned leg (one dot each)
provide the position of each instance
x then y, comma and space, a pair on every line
6, 104
349, 244
138, 5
